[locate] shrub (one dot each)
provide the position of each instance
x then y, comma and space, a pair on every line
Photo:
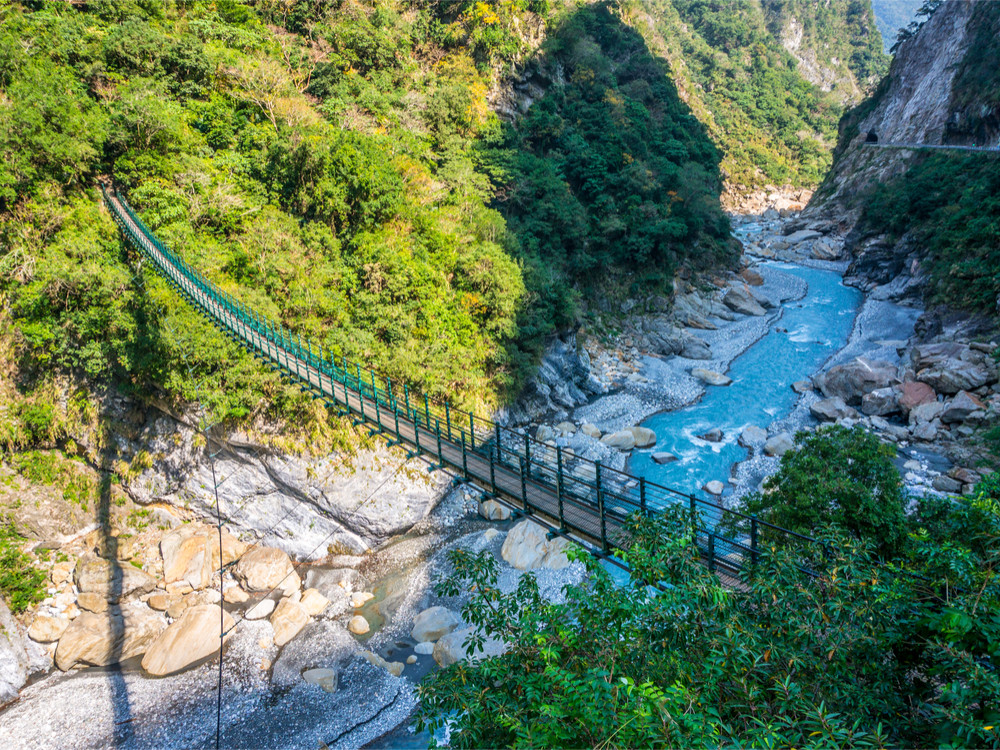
839, 477
21, 584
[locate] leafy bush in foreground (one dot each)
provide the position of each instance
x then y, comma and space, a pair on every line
864, 655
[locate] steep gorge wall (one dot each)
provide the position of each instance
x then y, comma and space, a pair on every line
925, 99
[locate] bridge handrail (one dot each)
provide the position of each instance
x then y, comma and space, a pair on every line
588, 483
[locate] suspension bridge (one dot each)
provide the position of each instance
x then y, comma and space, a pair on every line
569, 495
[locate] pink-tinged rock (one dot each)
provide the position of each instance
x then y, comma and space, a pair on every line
913, 394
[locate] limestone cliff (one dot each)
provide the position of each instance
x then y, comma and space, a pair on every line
931, 96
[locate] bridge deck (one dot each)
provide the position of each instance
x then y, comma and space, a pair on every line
581, 502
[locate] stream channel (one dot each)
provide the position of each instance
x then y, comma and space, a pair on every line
818, 325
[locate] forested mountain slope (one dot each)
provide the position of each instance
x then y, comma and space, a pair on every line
338, 166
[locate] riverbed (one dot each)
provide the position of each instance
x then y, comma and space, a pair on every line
806, 334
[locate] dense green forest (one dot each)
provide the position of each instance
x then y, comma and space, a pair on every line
772, 126
337, 166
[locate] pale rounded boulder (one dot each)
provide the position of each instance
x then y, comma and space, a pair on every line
108, 638
358, 625
623, 440
45, 629
527, 548
114, 580
779, 445
710, 377
288, 619
433, 623
451, 648
492, 510
644, 437
188, 640
313, 602
715, 487
265, 568
323, 677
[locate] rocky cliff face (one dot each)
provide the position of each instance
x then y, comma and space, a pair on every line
835, 44
925, 99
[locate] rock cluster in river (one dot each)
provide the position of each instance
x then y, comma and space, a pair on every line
942, 391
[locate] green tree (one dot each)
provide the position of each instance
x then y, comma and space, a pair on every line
840, 477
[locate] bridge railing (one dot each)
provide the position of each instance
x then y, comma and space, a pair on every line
591, 498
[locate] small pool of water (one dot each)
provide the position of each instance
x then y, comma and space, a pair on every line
817, 326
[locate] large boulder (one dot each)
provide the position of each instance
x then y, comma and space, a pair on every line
662, 457
952, 367
693, 347
313, 602
912, 394
333, 583
710, 377
188, 640
112, 579
644, 437
752, 436
108, 638
960, 407
852, 380
526, 548
824, 250
832, 409
45, 629
265, 568
715, 487
926, 413
779, 445
433, 623
191, 554
451, 648
802, 235
493, 510
288, 619
741, 301
19, 656
623, 440
880, 402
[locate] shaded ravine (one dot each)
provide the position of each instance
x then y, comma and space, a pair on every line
799, 342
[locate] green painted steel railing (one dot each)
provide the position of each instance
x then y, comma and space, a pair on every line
568, 494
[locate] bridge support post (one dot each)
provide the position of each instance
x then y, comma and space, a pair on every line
472, 431
753, 541
447, 417
559, 488
642, 497
493, 474
524, 488
465, 458
694, 520
499, 445
395, 414
527, 453
711, 551
600, 507
437, 426
406, 396
378, 420
427, 411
